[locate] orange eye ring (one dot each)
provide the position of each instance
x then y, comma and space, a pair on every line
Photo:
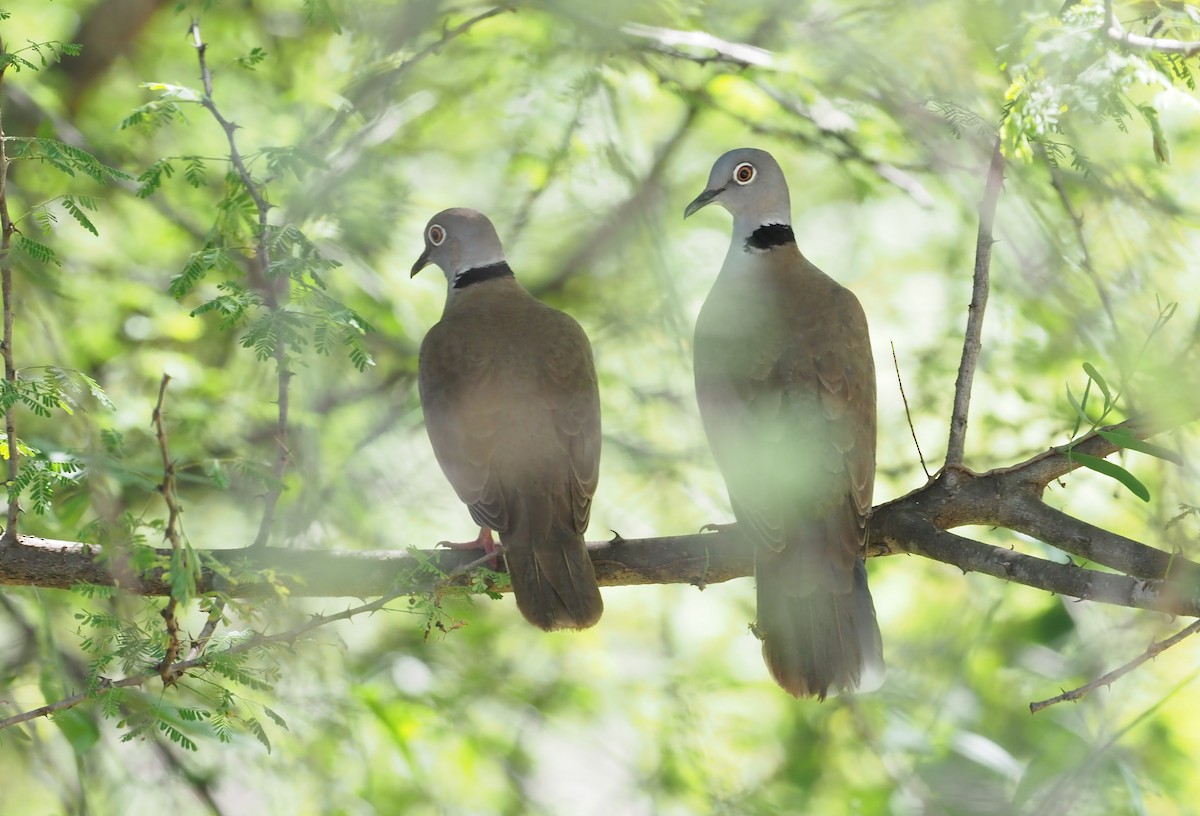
744, 173
437, 234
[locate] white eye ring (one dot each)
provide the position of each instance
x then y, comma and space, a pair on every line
740, 171
437, 234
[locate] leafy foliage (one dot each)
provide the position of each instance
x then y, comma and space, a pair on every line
582, 140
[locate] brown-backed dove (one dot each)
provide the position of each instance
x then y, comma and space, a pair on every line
785, 382
513, 411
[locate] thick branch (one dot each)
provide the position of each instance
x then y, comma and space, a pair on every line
908, 532
1079, 538
695, 559
973, 339
914, 524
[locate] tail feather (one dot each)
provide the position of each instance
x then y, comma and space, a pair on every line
820, 639
552, 575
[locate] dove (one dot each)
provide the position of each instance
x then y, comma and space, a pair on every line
785, 383
512, 409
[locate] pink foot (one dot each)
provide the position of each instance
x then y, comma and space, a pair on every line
483, 541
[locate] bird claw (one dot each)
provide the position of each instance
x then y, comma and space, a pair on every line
717, 528
483, 541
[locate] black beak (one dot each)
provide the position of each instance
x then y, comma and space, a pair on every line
702, 200
421, 263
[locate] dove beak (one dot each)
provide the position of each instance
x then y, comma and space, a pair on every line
702, 200
421, 263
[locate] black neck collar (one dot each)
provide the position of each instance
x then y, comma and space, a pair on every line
769, 236
482, 273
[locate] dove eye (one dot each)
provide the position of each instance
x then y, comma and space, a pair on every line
437, 234
744, 173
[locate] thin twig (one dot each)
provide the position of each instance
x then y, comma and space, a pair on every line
1057, 181
7, 228
825, 138
167, 488
275, 293
387, 78
1107, 680
886, 171
907, 413
200, 643
620, 217
663, 41
197, 662
1114, 31
972, 340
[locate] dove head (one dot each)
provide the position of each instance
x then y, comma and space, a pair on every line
460, 241
750, 184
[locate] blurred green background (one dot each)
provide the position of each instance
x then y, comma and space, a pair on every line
583, 130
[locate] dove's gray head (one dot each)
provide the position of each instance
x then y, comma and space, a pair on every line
459, 240
749, 183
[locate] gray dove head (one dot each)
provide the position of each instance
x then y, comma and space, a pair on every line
749, 183
459, 239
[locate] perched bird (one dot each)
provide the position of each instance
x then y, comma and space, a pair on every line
513, 412
785, 382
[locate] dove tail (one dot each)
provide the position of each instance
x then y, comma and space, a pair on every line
819, 639
551, 571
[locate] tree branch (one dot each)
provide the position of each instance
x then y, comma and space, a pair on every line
171, 533
1060, 187
1116, 674
907, 413
7, 228
275, 293
386, 79
915, 524
663, 41
199, 662
622, 215
972, 341
1114, 31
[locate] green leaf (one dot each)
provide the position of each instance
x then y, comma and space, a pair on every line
1081, 417
278, 720
319, 11
216, 473
38, 252
176, 736
77, 213
1113, 471
45, 219
1091, 371
152, 177
79, 729
255, 728
1122, 437
196, 172
97, 392
1158, 139
252, 59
